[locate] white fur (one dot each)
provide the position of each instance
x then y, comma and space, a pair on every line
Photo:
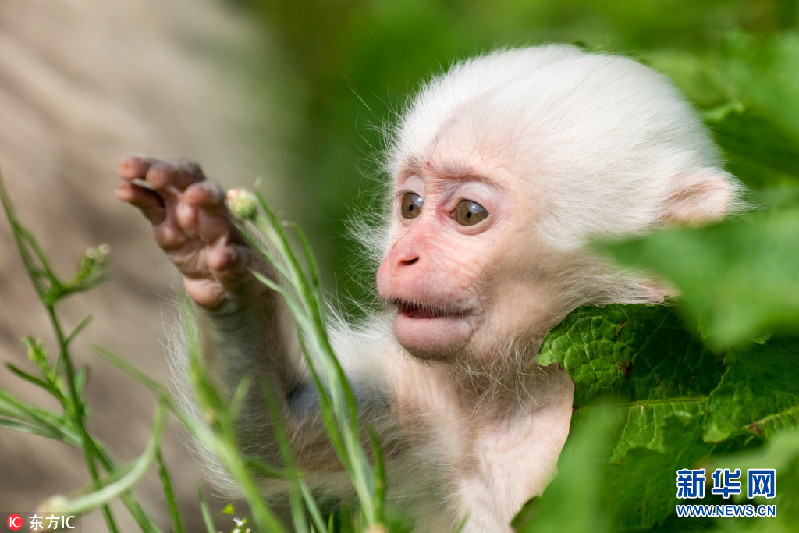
609, 139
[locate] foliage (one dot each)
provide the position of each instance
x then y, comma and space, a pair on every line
215, 429
337, 401
60, 379
676, 404
712, 379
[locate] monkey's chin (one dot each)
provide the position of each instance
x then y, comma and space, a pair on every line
433, 338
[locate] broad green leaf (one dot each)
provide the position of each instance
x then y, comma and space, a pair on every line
759, 392
643, 424
781, 452
761, 152
640, 491
763, 70
742, 88
663, 375
739, 278
633, 351
698, 78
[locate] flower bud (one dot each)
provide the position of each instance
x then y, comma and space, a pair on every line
242, 203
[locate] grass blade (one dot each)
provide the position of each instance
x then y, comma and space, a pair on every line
80, 327
208, 520
122, 479
281, 436
166, 483
130, 369
33, 379
49, 432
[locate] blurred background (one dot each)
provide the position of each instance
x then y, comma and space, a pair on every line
298, 95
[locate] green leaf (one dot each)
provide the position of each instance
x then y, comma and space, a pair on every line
122, 479
759, 392
80, 378
298, 514
13, 407
742, 89
644, 423
761, 152
663, 374
31, 379
51, 432
166, 484
640, 491
699, 78
80, 327
38, 355
208, 520
337, 402
130, 369
739, 278
633, 351
763, 70
781, 452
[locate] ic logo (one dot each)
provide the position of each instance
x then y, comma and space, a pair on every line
15, 522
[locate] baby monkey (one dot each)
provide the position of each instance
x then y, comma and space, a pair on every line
500, 170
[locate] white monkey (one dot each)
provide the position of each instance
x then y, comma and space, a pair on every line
501, 169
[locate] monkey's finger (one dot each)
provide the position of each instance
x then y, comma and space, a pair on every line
161, 174
152, 174
181, 173
228, 265
148, 202
206, 293
144, 172
213, 219
133, 167
167, 180
186, 218
169, 236
156, 205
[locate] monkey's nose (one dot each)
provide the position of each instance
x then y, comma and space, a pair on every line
404, 253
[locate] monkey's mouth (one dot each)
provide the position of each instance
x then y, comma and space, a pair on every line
432, 329
425, 311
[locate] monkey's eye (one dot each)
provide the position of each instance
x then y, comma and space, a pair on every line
468, 213
411, 205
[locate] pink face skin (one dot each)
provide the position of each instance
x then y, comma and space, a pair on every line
461, 288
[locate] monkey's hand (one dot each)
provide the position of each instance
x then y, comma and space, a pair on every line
193, 226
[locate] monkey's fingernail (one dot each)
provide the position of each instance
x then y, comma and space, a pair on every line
142, 183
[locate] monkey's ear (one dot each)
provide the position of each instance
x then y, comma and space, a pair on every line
704, 196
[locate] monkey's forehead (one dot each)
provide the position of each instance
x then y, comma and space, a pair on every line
541, 104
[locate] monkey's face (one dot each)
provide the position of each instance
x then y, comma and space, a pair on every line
457, 270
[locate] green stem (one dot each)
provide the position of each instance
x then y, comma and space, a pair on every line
27, 247
172, 503
87, 443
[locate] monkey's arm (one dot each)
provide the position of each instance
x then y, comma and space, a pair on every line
245, 329
241, 342
248, 338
